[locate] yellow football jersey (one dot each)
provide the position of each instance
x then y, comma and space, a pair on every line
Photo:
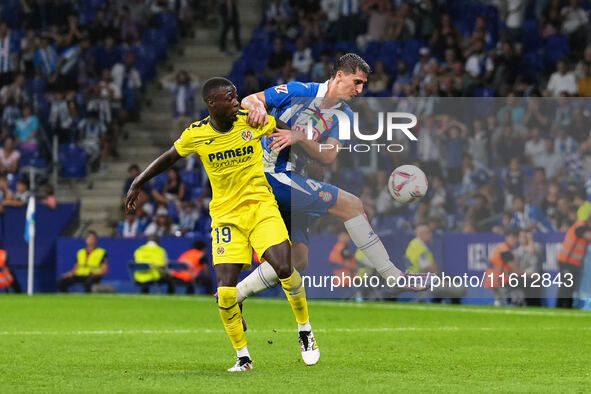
233, 161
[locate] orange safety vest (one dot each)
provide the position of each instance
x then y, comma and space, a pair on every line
192, 258
498, 267
573, 248
5, 278
342, 267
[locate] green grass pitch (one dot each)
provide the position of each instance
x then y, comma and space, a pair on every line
125, 344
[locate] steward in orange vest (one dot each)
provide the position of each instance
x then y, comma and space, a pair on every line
7, 279
502, 261
197, 272
570, 260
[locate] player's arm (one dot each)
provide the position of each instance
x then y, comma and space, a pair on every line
325, 152
161, 164
257, 109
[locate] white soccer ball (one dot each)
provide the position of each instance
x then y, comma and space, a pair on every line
407, 184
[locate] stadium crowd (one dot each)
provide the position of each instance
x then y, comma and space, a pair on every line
76, 71
519, 162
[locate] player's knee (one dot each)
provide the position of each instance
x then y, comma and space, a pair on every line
354, 206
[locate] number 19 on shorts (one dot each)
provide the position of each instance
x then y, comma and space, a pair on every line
223, 234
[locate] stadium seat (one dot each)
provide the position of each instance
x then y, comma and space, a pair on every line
555, 48
530, 36
72, 160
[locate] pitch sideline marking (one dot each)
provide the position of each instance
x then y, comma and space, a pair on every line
322, 330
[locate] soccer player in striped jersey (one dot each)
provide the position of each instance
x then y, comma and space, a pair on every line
301, 198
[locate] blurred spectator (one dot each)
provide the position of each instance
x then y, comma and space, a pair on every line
528, 257
162, 225
549, 204
278, 58
26, 130
535, 118
378, 81
10, 114
506, 68
537, 187
7, 55
535, 147
454, 141
479, 143
49, 199
230, 20
378, 14
550, 21
421, 214
584, 84
129, 227
302, 58
277, 15
424, 60
550, 160
561, 81
91, 266
188, 217
529, 217
174, 189
478, 213
503, 264
575, 25
45, 58
8, 280
60, 118
428, 146
9, 157
583, 206
21, 196
93, 139
479, 65
251, 84
197, 272
510, 146
14, 92
182, 84
321, 70
401, 25
438, 201
127, 78
564, 144
133, 170
513, 13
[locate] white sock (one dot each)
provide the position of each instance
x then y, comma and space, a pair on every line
372, 247
305, 327
262, 278
243, 352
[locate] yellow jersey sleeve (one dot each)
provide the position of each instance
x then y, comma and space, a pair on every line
184, 145
269, 128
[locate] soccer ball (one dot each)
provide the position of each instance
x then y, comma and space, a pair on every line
407, 184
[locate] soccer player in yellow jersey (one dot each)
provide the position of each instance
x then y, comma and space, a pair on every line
243, 209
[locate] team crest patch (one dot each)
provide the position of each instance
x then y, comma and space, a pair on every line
326, 196
221, 250
247, 135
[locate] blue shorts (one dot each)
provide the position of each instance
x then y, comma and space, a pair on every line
300, 199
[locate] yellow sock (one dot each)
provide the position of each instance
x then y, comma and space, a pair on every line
296, 295
231, 316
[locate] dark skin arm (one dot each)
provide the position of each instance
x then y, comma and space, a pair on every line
161, 164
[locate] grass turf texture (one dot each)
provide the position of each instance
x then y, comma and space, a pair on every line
144, 344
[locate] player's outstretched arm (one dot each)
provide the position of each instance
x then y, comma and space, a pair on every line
325, 152
257, 109
161, 164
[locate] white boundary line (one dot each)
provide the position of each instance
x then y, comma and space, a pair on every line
270, 331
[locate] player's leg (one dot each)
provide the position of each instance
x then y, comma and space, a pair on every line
227, 275
231, 252
350, 209
269, 238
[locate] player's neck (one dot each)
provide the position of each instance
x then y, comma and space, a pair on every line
330, 98
222, 125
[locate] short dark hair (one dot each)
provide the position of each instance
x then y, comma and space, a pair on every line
511, 232
213, 84
133, 167
349, 63
92, 232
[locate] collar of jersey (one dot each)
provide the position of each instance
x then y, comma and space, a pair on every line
321, 93
220, 132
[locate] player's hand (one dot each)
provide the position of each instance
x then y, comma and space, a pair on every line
282, 138
257, 117
131, 198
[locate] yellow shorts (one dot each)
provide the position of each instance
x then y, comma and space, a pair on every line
256, 226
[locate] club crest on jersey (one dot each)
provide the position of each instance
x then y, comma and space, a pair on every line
247, 135
221, 250
325, 196
281, 89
